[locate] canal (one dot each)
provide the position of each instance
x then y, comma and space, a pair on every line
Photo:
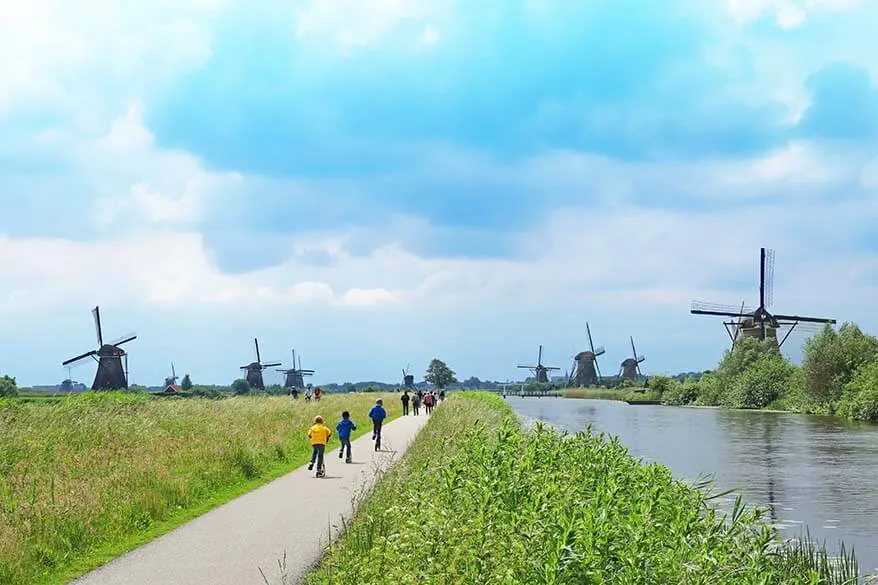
811, 471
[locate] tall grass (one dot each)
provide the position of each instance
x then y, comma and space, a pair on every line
83, 479
479, 500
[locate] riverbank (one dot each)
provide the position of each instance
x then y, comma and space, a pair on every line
90, 477
631, 396
480, 500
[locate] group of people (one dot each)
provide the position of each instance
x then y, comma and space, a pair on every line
316, 393
319, 435
429, 399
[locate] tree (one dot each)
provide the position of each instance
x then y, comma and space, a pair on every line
860, 398
473, 382
439, 374
186, 383
8, 387
832, 360
241, 386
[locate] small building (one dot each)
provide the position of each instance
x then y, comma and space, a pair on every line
172, 389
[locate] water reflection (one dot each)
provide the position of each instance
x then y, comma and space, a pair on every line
814, 471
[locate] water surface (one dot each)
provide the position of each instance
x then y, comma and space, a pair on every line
812, 471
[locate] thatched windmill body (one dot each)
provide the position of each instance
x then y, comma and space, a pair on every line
172, 379
408, 380
254, 369
586, 371
629, 369
112, 373
541, 372
295, 376
759, 323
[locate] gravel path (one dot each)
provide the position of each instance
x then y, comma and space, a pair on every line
292, 515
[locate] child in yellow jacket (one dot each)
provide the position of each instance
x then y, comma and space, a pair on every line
319, 435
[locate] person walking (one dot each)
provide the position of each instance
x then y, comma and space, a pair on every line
442, 396
377, 414
428, 402
405, 398
319, 435
344, 428
416, 404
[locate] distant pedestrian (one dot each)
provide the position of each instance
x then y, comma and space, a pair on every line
319, 435
344, 428
377, 414
405, 398
441, 395
294, 393
317, 394
428, 402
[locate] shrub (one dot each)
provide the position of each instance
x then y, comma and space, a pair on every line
8, 387
860, 399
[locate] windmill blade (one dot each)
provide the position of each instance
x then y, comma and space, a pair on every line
124, 339
306, 372
300, 362
271, 365
590, 342
173, 371
550, 368
804, 319
711, 308
641, 359
598, 368
769, 277
633, 349
599, 351
540, 356
80, 359
258, 359
96, 313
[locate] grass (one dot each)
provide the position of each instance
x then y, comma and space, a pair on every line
479, 500
92, 476
608, 394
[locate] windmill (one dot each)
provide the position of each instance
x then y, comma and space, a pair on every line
408, 380
172, 379
254, 369
540, 371
630, 368
295, 377
759, 323
112, 374
586, 370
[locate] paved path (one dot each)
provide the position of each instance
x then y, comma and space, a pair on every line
292, 515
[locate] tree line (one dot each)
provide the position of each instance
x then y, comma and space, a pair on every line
838, 376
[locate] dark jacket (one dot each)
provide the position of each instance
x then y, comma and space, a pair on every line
344, 428
377, 412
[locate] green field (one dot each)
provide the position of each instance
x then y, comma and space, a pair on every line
479, 500
88, 477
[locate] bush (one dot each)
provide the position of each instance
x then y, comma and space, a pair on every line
860, 399
682, 393
763, 382
240, 386
661, 384
8, 387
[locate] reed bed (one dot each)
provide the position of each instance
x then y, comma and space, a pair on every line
610, 394
84, 479
479, 500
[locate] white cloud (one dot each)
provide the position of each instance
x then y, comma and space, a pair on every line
59, 54
367, 22
139, 184
787, 13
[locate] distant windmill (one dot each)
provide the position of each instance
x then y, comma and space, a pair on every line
408, 380
630, 368
112, 374
172, 379
254, 369
586, 370
295, 377
540, 371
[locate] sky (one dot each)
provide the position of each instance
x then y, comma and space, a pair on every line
381, 182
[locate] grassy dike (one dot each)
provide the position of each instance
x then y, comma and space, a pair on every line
478, 499
90, 477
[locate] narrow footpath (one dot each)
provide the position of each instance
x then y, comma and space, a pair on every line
292, 517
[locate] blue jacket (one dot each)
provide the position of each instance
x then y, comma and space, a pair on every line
344, 428
377, 413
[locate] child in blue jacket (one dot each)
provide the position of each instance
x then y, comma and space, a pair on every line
344, 428
377, 414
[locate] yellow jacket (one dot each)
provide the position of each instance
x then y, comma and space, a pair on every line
319, 434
